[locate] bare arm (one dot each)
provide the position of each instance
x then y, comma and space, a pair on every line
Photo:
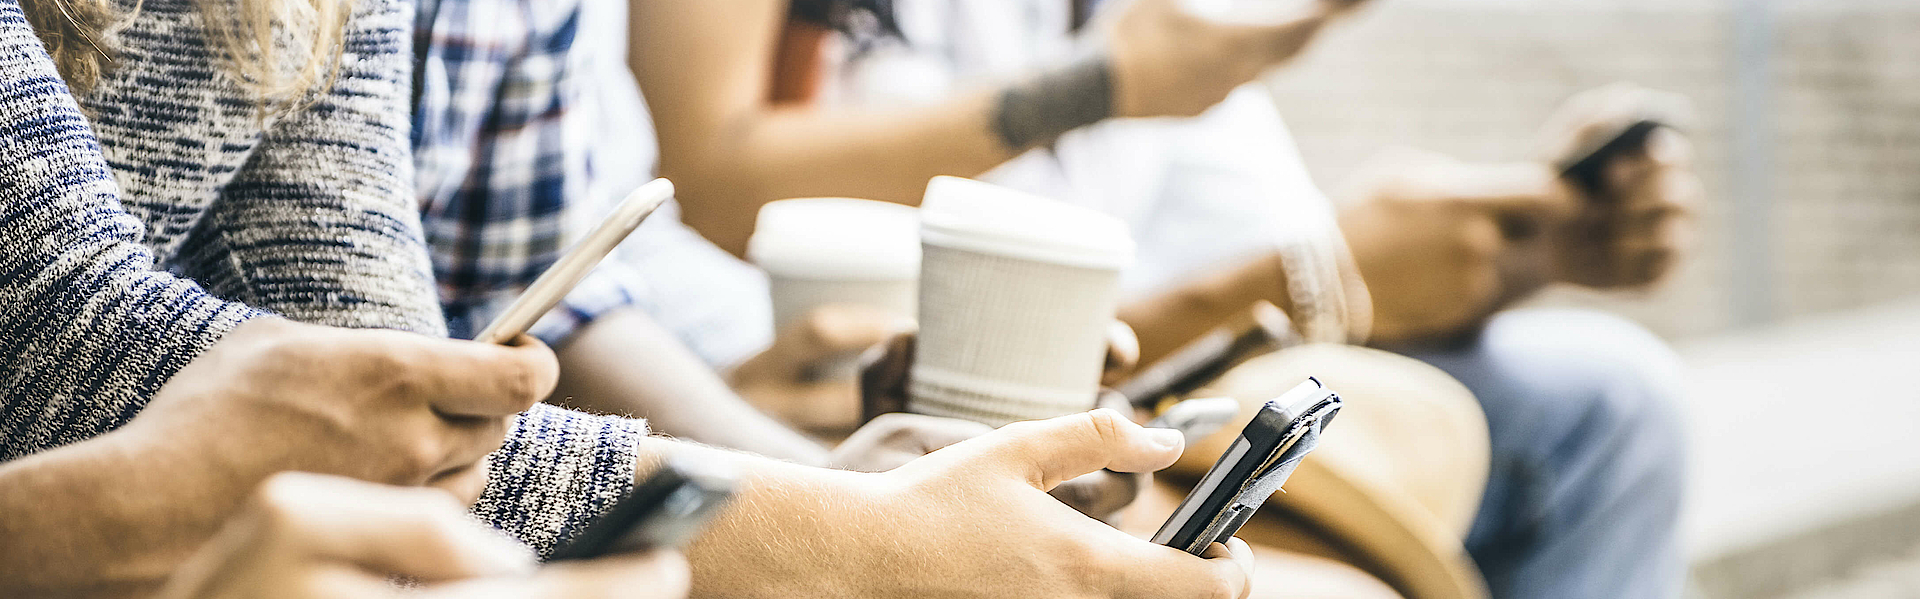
970, 520
1178, 315
80, 507
625, 364
704, 67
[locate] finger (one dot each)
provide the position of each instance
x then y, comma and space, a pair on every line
1337, 7
1048, 452
884, 377
832, 330
1528, 188
335, 580
464, 483
1165, 572
410, 532
463, 378
1237, 550
655, 575
874, 447
1280, 42
469, 439
1101, 494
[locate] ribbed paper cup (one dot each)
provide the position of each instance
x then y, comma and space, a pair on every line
837, 251
1016, 293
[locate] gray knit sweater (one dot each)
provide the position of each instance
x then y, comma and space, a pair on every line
307, 215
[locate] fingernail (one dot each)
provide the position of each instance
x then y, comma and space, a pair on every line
1166, 437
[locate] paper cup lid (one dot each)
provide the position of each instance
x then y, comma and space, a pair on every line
837, 239
982, 217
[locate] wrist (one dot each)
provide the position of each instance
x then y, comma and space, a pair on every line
1041, 109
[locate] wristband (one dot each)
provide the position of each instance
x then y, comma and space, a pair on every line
1042, 108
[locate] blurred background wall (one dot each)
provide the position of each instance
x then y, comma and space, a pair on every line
1837, 138
1808, 263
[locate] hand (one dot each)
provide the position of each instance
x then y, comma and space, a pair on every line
306, 536
384, 406
1170, 62
1638, 225
789, 380
1442, 244
970, 520
892, 437
891, 440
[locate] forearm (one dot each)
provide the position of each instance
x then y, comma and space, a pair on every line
703, 67
772, 539
624, 363
1170, 319
110, 517
801, 152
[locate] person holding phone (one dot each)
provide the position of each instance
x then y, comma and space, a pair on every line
1438, 245
1586, 444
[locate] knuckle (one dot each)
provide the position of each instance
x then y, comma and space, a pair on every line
1105, 424
522, 383
421, 456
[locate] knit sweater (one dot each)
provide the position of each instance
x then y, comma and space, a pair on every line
107, 288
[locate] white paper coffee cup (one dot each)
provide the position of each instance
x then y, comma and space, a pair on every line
837, 251
1016, 293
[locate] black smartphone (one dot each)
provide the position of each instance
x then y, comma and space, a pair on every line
1588, 169
1258, 462
663, 512
1205, 359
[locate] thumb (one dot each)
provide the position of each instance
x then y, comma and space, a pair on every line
824, 332
464, 378
1046, 453
1511, 188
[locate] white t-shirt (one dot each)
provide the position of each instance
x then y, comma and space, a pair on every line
1197, 192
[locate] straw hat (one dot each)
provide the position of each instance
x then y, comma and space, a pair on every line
1396, 480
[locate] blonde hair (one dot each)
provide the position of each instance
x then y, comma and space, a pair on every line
279, 49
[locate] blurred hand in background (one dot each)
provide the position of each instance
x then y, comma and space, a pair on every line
1434, 238
1168, 61
1443, 244
306, 536
792, 379
1633, 230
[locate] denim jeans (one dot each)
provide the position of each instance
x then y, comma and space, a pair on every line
1587, 455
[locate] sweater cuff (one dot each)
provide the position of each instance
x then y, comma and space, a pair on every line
558, 471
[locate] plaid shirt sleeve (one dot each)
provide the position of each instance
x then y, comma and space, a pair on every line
498, 157
494, 173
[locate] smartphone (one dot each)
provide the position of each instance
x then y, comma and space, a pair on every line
553, 285
1264, 329
1588, 169
1259, 461
663, 512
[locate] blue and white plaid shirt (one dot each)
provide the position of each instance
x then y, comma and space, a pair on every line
528, 127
